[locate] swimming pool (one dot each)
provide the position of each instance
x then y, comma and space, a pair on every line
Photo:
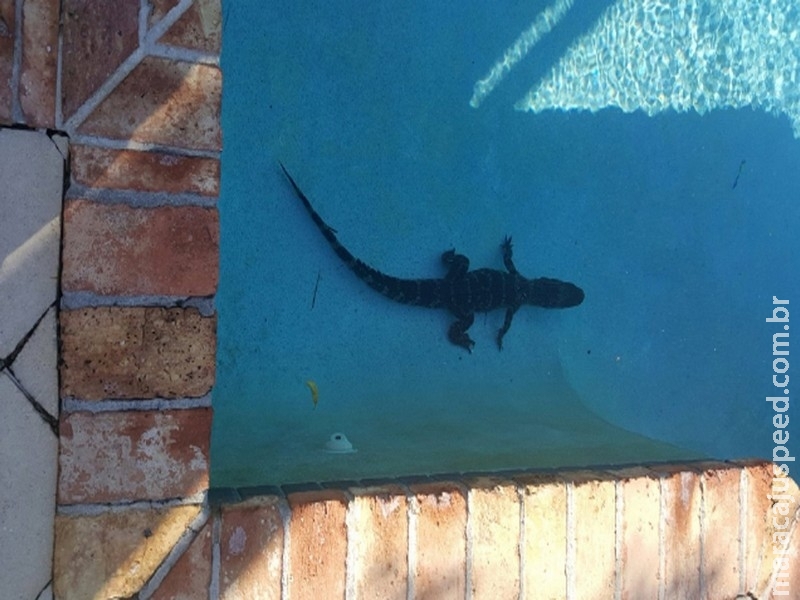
644, 151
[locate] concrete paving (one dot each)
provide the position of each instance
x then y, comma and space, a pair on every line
30, 210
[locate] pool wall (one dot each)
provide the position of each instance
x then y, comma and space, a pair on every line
134, 515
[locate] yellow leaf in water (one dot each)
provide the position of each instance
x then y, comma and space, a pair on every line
314, 392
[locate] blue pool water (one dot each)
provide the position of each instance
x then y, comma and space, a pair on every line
656, 170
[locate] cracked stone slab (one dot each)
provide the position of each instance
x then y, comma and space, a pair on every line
36, 365
27, 494
31, 189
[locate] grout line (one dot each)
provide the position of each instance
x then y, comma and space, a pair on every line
58, 117
16, 65
176, 552
183, 54
662, 541
412, 514
469, 542
77, 300
743, 489
71, 405
138, 199
286, 568
571, 542
521, 541
93, 510
702, 518
129, 144
168, 20
351, 549
619, 516
216, 526
144, 15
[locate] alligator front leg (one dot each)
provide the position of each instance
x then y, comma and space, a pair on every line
457, 264
458, 332
506, 324
507, 251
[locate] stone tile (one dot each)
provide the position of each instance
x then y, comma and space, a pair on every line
144, 171
7, 25
46, 593
30, 208
190, 577
378, 530
138, 352
441, 569
641, 506
545, 506
28, 452
594, 513
36, 366
113, 554
119, 250
164, 102
133, 455
97, 38
494, 517
37, 86
682, 499
317, 545
251, 550
720, 486
199, 28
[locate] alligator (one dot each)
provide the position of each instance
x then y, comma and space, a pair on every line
461, 291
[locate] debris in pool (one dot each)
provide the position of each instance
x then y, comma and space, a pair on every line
314, 392
339, 444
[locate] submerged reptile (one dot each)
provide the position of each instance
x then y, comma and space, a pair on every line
461, 291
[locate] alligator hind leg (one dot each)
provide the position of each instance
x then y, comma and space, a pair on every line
507, 251
457, 264
458, 335
506, 324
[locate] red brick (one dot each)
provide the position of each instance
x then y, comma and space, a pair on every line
190, 577
199, 28
545, 549
771, 525
138, 352
758, 528
318, 545
494, 517
720, 485
441, 571
594, 513
251, 550
7, 26
133, 455
97, 38
37, 87
144, 171
114, 553
641, 506
682, 499
788, 580
163, 101
114, 249
378, 530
